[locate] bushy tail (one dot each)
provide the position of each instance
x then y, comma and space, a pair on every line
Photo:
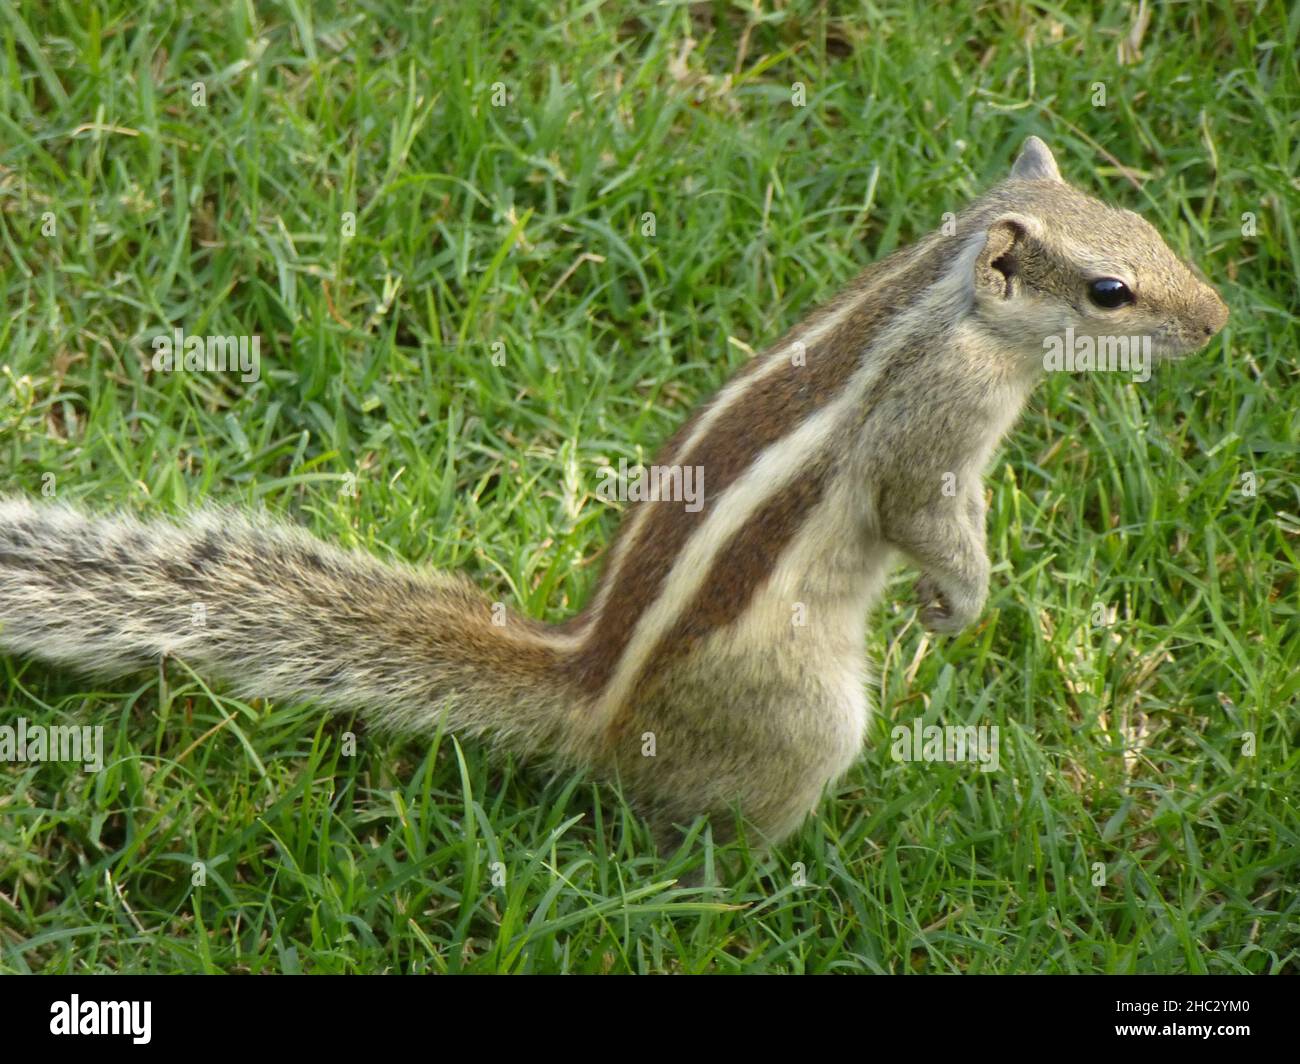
279, 614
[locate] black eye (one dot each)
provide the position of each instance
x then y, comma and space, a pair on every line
1109, 292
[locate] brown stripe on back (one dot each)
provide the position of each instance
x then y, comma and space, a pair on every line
741, 568
771, 409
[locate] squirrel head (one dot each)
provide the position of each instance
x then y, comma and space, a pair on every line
1053, 258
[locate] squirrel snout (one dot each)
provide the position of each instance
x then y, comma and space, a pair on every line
1213, 313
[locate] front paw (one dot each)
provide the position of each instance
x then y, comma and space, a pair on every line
936, 610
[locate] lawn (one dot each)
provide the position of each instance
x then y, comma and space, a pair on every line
488, 250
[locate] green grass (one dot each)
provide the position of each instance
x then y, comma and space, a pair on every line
523, 225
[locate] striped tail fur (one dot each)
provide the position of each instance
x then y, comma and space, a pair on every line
276, 613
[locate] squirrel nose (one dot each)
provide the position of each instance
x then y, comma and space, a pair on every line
1215, 314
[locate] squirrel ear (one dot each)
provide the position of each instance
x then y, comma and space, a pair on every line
997, 269
1035, 162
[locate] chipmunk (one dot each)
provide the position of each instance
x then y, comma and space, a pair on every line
720, 664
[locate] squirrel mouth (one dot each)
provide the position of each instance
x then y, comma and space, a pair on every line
1169, 348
